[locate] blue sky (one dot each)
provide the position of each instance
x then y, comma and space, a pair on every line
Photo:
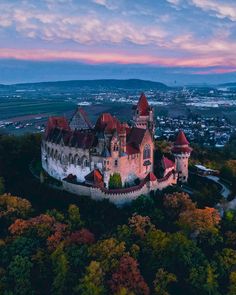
188, 41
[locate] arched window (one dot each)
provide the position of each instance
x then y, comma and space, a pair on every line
84, 162
77, 160
56, 155
147, 152
70, 159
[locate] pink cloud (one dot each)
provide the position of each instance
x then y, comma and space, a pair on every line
215, 71
120, 58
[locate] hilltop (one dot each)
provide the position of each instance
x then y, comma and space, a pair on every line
92, 84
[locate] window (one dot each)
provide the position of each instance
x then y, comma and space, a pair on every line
116, 162
147, 152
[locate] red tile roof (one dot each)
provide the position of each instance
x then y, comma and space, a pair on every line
167, 163
181, 144
143, 105
106, 122
95, 177
59, 122
181, 139
131, 150
136, 136
79, 138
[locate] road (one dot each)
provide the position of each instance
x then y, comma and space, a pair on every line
225, 192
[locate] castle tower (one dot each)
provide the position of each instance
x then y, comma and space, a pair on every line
181, 151
143, 114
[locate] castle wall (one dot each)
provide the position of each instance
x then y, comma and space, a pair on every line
121, 196
60, 161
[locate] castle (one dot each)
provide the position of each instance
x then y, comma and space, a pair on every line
85, 157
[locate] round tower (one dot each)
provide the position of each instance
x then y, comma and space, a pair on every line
181, 151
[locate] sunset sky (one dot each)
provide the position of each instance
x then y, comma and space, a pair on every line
172, 41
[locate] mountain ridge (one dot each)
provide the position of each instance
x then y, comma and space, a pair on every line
97, 83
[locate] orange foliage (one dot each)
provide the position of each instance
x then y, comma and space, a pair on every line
179, 202
200, 219
43, 223
140, 225
128, 276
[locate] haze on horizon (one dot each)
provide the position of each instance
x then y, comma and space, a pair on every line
171, 41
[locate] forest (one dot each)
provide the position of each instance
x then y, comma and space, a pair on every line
52, 242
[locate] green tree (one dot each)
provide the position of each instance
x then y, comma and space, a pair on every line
20, 274
162, 281
204, 279
108, 253
60, 266
226, 261
232, 283
92, 282
74, 218
115, 181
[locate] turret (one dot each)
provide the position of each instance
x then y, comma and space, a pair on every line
181, 151
143, 114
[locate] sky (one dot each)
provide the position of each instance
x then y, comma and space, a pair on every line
171, 41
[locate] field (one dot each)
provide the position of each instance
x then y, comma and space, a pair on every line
27, 111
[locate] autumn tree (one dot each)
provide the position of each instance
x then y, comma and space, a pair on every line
12, 207
177, 203
199, 220
92, 282
108, 253
128, 276
83, 236
162, 281
140, 225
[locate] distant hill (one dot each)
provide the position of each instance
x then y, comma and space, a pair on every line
230, 85
92, 84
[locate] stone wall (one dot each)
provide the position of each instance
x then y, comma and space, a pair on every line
120, 196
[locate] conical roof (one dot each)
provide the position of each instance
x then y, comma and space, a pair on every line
143, 105
181, 144
181, 139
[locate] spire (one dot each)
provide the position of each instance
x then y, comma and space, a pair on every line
181, 139
105, 152
181, 144
143, 105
